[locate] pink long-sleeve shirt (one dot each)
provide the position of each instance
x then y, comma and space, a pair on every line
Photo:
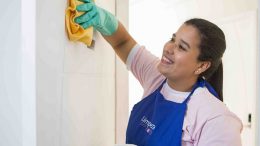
208, 122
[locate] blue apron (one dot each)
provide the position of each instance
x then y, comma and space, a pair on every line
155, 121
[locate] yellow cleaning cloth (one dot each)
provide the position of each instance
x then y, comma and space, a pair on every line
75, 31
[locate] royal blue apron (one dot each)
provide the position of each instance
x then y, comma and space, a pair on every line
155, 121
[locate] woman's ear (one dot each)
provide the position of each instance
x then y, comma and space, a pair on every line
204, 65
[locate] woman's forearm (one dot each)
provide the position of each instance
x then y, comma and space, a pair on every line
121, 41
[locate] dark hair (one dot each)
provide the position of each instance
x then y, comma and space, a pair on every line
212, 47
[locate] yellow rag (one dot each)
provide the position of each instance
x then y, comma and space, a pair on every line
75, 31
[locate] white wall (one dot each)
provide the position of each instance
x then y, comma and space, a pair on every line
75, 84
17, 74
10, 74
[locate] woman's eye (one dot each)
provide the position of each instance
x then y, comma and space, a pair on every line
182, 48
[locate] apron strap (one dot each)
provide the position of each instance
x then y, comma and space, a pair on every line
160, 87
202, 83
211, 89
198, 84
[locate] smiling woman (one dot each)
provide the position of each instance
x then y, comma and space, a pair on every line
182, 50
238, 20
180, 106
183, 65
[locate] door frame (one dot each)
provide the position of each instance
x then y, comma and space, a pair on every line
122, 103
258, 80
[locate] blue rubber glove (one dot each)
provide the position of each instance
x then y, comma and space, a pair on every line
102, 20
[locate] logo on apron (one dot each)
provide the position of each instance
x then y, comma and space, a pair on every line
149, 126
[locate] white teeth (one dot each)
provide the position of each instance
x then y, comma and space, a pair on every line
167, 60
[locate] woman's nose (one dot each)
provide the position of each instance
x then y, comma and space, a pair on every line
169, 51
171, 48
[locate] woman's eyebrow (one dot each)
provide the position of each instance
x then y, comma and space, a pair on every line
174, 36
185, 43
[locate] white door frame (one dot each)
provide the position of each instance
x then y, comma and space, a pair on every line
258, 81
121, 11
28, 69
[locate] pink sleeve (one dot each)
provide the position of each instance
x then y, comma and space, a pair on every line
223, 130
143, 65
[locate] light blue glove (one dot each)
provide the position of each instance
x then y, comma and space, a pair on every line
102, 20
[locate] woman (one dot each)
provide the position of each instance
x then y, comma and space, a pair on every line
182, 102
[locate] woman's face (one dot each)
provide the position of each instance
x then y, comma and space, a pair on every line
179, 58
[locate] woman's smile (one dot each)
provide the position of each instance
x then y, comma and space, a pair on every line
166, 60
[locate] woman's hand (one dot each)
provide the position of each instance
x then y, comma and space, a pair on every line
106, 23
102, 20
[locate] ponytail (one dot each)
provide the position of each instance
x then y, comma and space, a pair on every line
212, 47
216, 81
